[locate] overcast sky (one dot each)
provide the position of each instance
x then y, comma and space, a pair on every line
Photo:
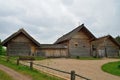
47, 20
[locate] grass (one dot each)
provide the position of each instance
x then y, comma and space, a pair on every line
112, 68
4, 76
35, 74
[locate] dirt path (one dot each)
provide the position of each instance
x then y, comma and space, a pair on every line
14, 74
87, 68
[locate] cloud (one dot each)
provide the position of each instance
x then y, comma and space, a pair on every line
47, 20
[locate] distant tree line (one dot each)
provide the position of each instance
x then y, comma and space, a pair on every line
118, 39
2, 49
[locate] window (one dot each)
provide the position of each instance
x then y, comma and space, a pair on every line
93, 47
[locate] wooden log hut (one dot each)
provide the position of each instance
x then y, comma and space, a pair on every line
78, 41
105, 47
20, 44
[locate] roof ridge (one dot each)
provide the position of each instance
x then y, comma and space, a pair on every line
18, 32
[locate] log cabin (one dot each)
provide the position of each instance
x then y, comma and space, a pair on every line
52, 50
21, 44
78, 42
105, 46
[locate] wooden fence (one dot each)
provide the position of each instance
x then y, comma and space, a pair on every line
72, 74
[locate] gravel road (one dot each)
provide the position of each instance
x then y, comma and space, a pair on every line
87, 68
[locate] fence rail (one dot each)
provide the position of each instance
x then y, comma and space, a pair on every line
72, 73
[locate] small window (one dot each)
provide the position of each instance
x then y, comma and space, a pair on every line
93, 47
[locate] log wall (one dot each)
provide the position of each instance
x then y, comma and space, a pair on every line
79, 45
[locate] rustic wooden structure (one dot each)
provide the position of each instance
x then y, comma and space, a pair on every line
51, 50
78, 41
20, 44
105, 47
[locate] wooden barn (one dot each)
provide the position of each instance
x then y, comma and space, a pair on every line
105, 47
50, 50
78, 41
20, 44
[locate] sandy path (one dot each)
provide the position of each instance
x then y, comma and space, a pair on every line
14, 74
87, 68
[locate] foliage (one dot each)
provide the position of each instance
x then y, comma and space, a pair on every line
2, 49
112, 68
118, 39
77, 57
4, 76
35, 74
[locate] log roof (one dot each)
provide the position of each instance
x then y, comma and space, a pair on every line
70, 34
53, 46
17, 33
109, 37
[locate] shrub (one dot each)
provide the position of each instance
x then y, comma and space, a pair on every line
77, 57
119, 66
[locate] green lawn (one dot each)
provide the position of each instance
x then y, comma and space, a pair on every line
4, 76
36, 75
112, 68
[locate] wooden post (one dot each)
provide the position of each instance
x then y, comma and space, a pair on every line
17, 61
31, 65
7, 58
72, 75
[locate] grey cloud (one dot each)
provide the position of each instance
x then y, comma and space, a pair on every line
46, 20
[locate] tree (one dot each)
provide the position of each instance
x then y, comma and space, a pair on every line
0, 47
118, 39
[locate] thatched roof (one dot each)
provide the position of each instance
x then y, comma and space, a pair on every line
4, 43
52, 46
70, 34
109, 37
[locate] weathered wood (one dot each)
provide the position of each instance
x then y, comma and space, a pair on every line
106, 47
53, 52
20, 44
18, 61
79, 45
31, 65
72, 75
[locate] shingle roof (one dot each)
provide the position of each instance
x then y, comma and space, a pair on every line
70, 34
53, 46
17, 33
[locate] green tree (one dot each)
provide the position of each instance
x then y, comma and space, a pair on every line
118, 39
0, 47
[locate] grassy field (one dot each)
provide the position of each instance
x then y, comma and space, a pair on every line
36, 75
4, 76
112, 68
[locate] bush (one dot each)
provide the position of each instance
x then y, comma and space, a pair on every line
119, 66
77, 57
